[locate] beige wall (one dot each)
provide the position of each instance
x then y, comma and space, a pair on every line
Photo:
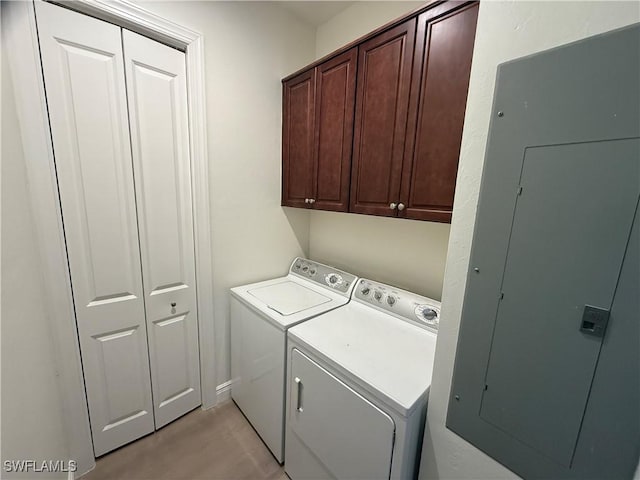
407, 253
506, 30
31, 410
249, 48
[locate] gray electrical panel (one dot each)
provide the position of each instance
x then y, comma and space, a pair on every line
547, 372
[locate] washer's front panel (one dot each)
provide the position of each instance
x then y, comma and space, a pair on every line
257, 368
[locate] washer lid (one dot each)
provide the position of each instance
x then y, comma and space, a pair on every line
288, 298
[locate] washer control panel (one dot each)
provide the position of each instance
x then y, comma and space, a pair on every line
324, 275
408, 306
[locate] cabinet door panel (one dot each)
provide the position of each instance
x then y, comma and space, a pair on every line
157, 94
297, 139
384, 77
439, 91
335, 102
84, 77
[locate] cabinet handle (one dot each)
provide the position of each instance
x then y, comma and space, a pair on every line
312, 200
401, 206
306, 200
392, 206
299, 400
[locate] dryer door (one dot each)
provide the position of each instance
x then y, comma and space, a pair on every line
333, 432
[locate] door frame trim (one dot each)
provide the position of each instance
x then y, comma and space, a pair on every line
24, 60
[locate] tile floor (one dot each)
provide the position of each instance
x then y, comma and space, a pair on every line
216, 444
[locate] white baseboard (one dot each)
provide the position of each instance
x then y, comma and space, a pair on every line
223, 391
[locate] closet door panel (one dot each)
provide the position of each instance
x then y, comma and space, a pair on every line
84, 76
157, 96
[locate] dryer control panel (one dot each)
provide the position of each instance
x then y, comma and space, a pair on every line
338, 280
414, 308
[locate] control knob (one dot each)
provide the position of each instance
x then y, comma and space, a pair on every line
365, 291
377, 295
429, 313
391, 300
333, 279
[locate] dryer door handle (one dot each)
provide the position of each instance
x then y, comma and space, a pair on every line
299, 399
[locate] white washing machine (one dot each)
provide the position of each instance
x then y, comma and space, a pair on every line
261, 313
357, 384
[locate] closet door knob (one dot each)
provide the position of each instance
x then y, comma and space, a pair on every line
312, 200
401, 206
392, 206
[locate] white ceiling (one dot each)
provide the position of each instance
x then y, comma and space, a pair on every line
313, 12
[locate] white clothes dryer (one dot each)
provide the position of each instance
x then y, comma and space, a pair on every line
357, 386
261, 313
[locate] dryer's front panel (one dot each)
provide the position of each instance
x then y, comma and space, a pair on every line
334, 432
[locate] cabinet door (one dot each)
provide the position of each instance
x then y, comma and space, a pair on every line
442, 64
347, 435
384, 78
84, 77
157, 95
298, 115
335, 101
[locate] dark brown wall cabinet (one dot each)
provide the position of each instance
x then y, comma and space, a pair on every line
297, 139
384, 82
317, 135
442, 63
410, 98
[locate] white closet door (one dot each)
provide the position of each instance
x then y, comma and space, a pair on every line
84, 77
157, 96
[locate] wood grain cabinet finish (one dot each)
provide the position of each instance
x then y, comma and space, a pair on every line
318, 133
384, 81
335, 102
298, 138
397, 154
442, 64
